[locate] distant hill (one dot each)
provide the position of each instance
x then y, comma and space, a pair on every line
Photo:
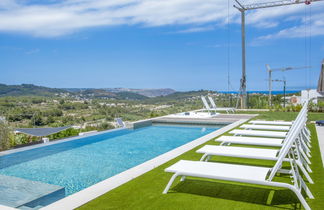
117, 93
145, 92
130, 96
101, 93
28, 90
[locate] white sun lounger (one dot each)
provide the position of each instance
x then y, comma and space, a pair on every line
274, 134
227, 109
207, 107
231, 172
251, 153
245, 152
305, 144
266, 127
264, 122
244, 174
258, 141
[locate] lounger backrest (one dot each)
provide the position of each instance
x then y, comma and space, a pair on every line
120, 122
284, 152
302, 116
296, 127
212, 102
291, 137
205, 102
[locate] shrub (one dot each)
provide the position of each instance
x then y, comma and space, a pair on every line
4, 136
22, 139
63, 134
106, 126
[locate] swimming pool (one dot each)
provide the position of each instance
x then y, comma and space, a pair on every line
80, 163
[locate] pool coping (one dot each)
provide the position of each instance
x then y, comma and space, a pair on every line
84, 196
59, 141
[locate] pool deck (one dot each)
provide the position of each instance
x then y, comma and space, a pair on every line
218, 119
78, 199
320, 136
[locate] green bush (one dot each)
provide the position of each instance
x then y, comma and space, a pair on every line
106, 126
4, 136
23, 139
64, 134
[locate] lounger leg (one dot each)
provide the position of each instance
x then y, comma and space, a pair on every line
300, 165
203, 157
208, 158
182, 178
307, 131
308, 168
225, 143
297, 193
304, 146
305, 136
305, 156
308, 192
170, 183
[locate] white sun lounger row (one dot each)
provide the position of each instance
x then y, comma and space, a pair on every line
290, 151
256, 153
244, 136
302, 159
305, 143
275, 126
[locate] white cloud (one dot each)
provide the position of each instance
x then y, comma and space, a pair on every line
314, 27
196, 29
61, 17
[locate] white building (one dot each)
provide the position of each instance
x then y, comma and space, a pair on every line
310, 94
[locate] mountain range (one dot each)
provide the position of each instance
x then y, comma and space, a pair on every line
119, 93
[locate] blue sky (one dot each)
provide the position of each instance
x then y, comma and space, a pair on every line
180, 44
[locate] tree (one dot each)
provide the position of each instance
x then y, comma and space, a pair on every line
4, 136
37, 120
50, 120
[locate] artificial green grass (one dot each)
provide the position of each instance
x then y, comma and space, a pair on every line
145, 192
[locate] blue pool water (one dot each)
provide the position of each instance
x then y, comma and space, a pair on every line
80, 163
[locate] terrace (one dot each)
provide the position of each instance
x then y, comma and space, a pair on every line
145, 192
120, 190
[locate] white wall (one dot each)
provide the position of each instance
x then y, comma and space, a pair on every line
308, 94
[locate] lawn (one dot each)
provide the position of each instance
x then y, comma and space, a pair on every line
145, 192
